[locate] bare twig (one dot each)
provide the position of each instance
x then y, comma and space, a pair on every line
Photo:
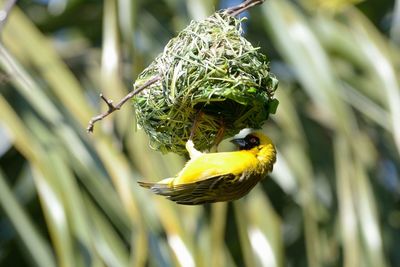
233, 11
112, 108
236, 10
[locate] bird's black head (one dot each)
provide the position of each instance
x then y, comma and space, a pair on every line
248, 142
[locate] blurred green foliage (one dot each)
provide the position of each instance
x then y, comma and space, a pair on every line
71, 199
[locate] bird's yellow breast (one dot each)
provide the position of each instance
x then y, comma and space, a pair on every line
215, 164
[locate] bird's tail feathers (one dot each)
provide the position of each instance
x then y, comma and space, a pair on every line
147, 185
163, 189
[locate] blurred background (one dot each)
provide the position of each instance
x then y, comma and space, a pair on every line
71, 199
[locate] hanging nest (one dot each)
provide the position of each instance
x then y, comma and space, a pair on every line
211, 70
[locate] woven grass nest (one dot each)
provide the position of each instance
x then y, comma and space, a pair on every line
209, 73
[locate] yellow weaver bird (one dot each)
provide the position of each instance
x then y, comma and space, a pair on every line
223, 176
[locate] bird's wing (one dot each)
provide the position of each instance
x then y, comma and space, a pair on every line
216, 164
219, 188
210, 178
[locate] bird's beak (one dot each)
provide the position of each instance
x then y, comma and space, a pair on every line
239, 141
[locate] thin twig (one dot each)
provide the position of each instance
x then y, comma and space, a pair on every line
112, 108
233, 11
236, 10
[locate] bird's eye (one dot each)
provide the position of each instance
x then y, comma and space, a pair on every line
252, 141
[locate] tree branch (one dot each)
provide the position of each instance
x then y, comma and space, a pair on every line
112, 108
236, 10
233, 11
